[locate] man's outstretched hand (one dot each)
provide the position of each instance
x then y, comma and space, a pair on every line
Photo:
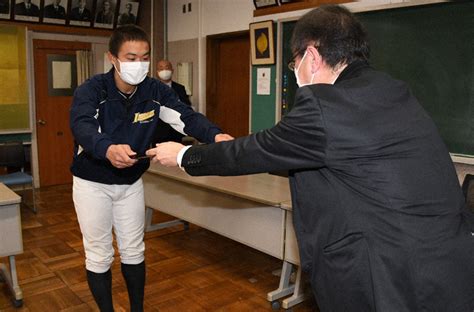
165, 153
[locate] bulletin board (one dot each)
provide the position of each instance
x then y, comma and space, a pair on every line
14, 103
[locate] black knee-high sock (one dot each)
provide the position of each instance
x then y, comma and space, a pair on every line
100, 285
134, 275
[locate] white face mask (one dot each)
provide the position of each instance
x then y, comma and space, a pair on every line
298, 81
165, 74
133, 72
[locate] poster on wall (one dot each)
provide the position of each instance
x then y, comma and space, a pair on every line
62, 74
128, 12
26, 10
105, 14
80, 13
54, 11
261, 43
5, 9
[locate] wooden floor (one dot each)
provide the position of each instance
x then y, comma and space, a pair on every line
193, 270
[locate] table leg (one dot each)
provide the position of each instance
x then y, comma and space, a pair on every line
298, 295
162, 225
285, 288
10, 277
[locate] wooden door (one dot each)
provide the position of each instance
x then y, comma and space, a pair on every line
53, 100
228, 74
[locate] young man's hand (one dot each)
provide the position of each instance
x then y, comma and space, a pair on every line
119, 155
223, 137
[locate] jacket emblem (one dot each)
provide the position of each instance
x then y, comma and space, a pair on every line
144, 117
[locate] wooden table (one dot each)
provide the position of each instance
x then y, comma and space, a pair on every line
248, 209
11, 242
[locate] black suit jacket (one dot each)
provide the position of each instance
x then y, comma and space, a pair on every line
377, 207
4, 6
20, 9
85, 16
51, 12
126, 18
164, 132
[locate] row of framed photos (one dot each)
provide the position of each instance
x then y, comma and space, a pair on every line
83, 13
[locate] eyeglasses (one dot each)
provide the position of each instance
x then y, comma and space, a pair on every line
292, 63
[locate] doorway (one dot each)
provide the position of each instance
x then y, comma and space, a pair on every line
54, 84
227, 82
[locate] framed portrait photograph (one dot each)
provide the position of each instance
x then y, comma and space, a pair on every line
54, 11
26, 10
81, 13
128, 12
264, 3
261, 43
105, 14
5, 9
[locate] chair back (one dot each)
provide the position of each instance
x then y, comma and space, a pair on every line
12, 155
468, 190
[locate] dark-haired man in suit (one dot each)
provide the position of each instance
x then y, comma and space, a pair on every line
26, 8
4, 6
127, 17
106, 15
380, 219
81, 12
55, 10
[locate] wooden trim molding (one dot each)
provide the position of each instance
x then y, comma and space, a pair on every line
295, 6
61, 29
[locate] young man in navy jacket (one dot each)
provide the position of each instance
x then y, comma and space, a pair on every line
113, 118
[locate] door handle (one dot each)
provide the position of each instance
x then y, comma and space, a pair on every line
41, 122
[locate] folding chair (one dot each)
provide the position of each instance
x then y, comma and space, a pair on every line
12, 156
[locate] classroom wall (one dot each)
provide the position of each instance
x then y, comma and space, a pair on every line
187, 51
210, 17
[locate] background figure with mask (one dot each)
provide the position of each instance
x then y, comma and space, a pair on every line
165, 132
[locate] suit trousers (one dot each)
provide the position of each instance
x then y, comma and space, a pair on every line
101, 208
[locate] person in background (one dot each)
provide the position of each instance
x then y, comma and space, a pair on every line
81, 12
4, 6
378, 212
106, 15
165, 132
113, 118
26, 8
127, 17
55, 10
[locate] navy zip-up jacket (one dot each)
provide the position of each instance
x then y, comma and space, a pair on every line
101, 116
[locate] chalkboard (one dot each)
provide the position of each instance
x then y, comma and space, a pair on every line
431, 47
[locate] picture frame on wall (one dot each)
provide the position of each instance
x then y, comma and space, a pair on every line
62, 74
5, 9
264, 3
105, 14
26, 10
81, 13
261, 43
54, 11
128, 12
